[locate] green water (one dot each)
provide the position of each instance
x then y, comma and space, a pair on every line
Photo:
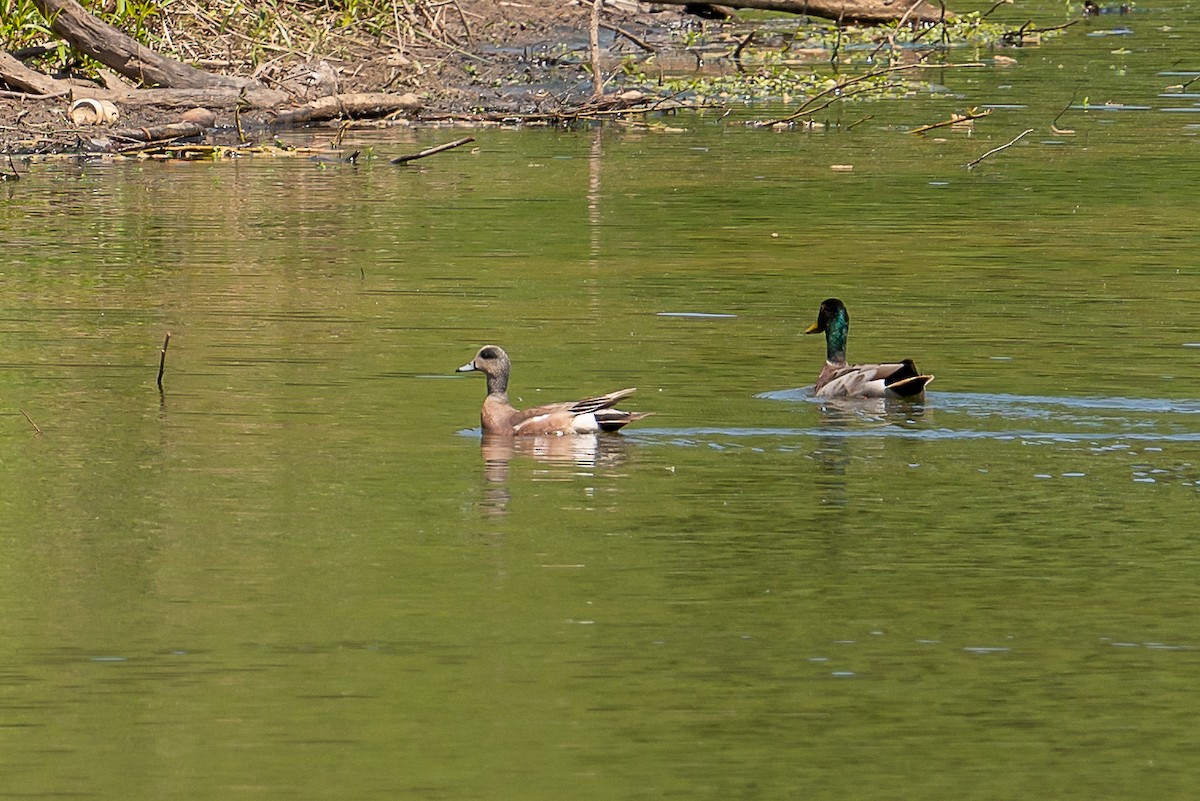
297, 574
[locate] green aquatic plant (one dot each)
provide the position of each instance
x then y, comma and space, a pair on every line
775, 62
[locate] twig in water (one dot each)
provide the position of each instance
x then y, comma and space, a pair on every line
36, 430
971, 114
737, 52
1027, 29
429, 151
847, 95
1054, 122
337, 140
890, 39
10, 176
859, 121
999, 3
649, 48
162, 359
941, 23
1018, 138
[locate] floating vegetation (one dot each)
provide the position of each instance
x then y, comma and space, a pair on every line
775, 62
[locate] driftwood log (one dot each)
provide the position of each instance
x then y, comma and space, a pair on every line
855, 11
122, 53
16, 74
162, 133
357, 104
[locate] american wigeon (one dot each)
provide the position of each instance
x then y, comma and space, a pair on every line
841, 380
587, 416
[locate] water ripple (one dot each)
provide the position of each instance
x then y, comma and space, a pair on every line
1103, 423
1007, 403
695, 435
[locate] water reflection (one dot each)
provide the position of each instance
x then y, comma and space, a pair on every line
846, 412
556, 458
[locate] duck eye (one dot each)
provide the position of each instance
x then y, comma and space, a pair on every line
488, 353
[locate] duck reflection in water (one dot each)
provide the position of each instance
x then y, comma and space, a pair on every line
837, 450
845, 412
559, 458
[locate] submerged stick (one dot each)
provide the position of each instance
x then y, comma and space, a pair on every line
36, 430
1018, 138
429, 151
162, 360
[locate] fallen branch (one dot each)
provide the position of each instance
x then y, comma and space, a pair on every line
16, 74
161, 133
121, 53
217, 99
365, 104
429, 151
649, 48
1018, 138
848, 11
955, 119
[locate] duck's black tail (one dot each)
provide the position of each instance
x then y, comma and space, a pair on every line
908, 380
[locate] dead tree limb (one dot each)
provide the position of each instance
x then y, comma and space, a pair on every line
161, 133
849, 11
358, 104
14, 73
642, 43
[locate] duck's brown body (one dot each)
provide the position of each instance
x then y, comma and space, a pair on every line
498, 416
899, 380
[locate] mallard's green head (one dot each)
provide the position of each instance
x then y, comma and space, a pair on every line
834, 320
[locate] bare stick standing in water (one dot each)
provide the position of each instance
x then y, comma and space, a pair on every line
162, 359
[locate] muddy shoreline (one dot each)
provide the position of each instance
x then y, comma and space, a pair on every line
526, 62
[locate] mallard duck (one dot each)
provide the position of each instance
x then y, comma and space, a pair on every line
841, 380
587, 416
